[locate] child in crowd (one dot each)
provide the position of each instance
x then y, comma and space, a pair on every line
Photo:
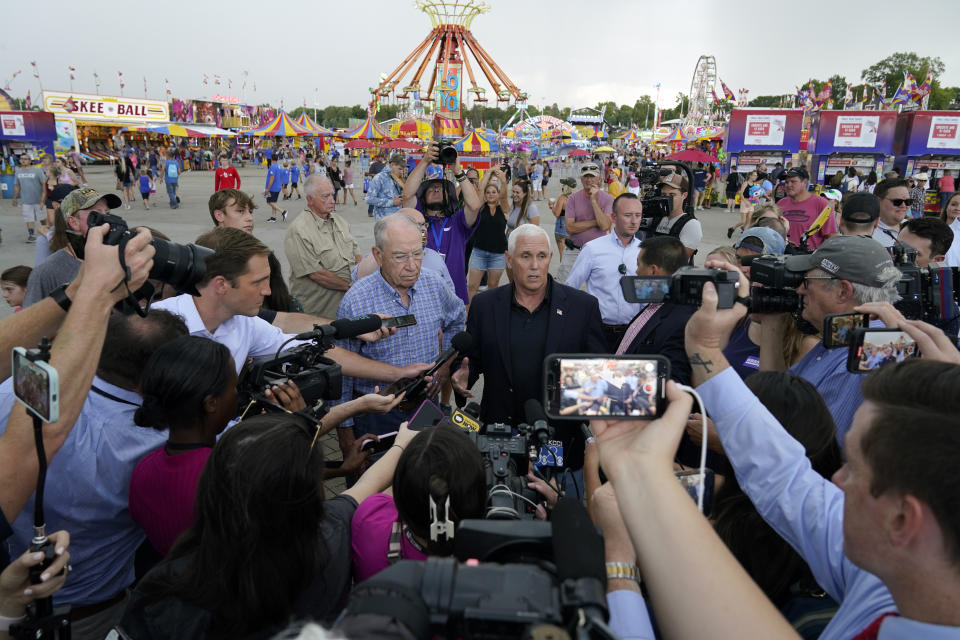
13, 283
146, 186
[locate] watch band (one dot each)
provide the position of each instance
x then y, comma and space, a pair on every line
623, 571
59, 296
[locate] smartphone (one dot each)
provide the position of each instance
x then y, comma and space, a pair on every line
587, 387
838, 328
379, 446
874, 348
36, 385
692, 481
398, 321
645, 288
427, 415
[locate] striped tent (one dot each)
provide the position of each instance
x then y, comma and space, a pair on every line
674, 136
412, 128
308, 123
477, 142
632, 135
282, 125
369, 129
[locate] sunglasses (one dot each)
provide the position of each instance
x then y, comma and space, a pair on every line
900, 202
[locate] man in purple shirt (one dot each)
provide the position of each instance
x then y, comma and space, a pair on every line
588, 216
449, 226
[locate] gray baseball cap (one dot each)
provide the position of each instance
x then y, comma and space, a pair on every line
855, 258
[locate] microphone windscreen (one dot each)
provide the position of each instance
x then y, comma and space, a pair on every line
533, 411
353, 327
577, 545
462, 341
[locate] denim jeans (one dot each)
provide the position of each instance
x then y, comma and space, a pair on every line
172, 192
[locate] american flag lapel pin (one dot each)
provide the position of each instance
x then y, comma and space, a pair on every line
559, 312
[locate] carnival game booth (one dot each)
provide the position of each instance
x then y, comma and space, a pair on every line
843, 139
93, 125
23, 132
762, 136
928, 141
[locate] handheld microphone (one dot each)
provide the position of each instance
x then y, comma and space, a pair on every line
578, 553
343, 328
537, 419
458, 344
416, 387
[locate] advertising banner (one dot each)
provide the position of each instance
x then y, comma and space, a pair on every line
856, 131
66, 139
92, 107
765, 130
944, 132
11, 124
752, 129
448, 92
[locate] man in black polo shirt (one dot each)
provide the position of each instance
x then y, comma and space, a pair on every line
514, 327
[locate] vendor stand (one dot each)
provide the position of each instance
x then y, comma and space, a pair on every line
757, 137
843, 139
23, 132
928, 141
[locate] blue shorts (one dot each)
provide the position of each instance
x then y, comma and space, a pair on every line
481, 260
273, 196
560, 228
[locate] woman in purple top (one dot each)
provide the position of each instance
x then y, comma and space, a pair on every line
438, 465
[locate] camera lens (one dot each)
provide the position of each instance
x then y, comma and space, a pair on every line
447, 154
181, 266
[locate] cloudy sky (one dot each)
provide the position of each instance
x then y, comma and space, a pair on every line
570, 52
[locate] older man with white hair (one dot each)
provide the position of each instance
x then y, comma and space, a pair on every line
515, 326
321, 251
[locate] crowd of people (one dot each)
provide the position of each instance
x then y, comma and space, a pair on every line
179, 514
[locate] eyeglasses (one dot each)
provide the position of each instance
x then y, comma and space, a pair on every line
402, 258
807, 279
899, 202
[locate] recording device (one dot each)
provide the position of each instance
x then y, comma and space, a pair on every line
399, 321
446, 152
927, 293
344, 328
587, 387
685, 286
416, 388
779, 291
467, 417
551, 585
43, 620
381, 444
838, 328
181, 266
36, 384
873, 348
428, 415
657, 206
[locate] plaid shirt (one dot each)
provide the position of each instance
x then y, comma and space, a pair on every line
436, 307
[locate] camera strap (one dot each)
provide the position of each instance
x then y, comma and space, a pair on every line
110, 396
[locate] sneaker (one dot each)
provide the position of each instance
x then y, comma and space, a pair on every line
283, 214
730, 232
128, 207
31, 239
271, 219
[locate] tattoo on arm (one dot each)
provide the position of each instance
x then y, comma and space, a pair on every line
695, 359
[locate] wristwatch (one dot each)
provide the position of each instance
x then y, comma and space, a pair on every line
623, 571
59, 296
461, 176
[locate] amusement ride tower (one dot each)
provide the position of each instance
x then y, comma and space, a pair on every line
446, 47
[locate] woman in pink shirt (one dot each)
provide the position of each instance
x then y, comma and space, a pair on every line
440, 464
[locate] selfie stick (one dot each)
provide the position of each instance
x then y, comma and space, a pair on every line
43, 620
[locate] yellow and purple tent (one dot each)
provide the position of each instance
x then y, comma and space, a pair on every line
308, 123
369, 129
283, 125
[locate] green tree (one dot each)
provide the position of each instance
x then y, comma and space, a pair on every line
891, 69
768, 101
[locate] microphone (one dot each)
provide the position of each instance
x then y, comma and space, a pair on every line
578, 555
458, 344
537, 419
415, 387
343, 328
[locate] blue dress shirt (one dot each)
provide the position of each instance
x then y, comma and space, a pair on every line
598, 265
826, 369
87, 493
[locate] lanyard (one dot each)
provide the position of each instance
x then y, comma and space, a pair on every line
437, 239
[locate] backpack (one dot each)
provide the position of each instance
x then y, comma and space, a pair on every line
674, 230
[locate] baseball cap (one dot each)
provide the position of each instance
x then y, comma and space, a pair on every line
590, 169
861, 208
675, 180
762, 239
85, 198
855, 258
60, 192
833, 194
795, 172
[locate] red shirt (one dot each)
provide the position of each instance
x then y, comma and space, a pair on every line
226, 179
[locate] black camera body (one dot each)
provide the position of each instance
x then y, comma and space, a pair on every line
928, 293
657, 206
779, 291
685, 286
317, 377
506, 460
446, 152
182, 266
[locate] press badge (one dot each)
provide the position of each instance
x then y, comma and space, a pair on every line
551, 455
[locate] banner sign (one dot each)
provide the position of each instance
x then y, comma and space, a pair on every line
448, 92
944, 132
856, 131
12, 125
92, 107
765, 130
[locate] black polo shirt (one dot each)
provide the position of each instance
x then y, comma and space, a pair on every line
528, 339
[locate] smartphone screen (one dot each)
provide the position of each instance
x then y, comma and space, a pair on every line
838, 328
874, 348
399, 321
586, 387
36, 386
645, 288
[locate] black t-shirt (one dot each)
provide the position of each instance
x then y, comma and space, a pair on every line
5, 533
322, 601
490, 234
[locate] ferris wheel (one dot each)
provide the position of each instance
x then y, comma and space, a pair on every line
700, 98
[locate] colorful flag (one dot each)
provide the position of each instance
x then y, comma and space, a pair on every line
716, 100
925, 87
205, 79
36, 72
848, 102
825, 93
27, 103
71, 70
166, 83
70, 106
909, 83
120, 75
726, 92
216, 79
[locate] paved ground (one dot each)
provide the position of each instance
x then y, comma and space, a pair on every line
192, 219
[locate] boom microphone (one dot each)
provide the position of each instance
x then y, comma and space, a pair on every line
343, 328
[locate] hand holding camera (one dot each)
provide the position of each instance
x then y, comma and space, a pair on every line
101, 272
710, 327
